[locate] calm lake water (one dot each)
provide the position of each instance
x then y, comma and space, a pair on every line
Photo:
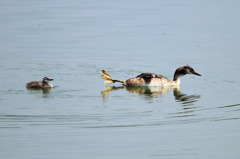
72, 41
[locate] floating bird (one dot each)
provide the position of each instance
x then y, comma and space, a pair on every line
152, 79
40, 84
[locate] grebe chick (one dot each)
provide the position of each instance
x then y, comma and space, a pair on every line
40, 84
152, 79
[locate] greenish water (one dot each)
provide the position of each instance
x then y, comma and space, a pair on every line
81, 117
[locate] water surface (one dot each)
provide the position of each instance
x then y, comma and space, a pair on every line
72, 41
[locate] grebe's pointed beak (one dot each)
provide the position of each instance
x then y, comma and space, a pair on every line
195, 73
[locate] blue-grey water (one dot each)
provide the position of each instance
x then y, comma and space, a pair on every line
72, 41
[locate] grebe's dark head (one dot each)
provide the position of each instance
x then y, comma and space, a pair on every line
47, 79
181, 71
189, 70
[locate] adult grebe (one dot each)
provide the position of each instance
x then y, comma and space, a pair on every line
152, 79
40, 84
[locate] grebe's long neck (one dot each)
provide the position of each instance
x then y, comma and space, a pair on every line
178, 73
45, 82
176, 80
176, 77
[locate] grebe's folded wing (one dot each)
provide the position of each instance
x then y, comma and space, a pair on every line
150, 75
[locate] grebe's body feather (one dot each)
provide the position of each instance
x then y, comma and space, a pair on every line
150, 79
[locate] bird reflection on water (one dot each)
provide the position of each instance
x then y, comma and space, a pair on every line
45, 92
185, 99
153, 92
